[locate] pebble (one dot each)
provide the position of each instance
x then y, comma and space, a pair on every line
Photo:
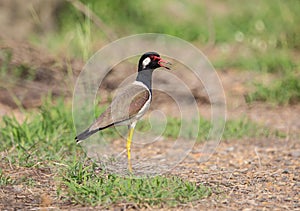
296, 153
285, 171
230, 149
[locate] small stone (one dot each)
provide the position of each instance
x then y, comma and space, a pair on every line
285, 171
213, 167
229, 149
296, 153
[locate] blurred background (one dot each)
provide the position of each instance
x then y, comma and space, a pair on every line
254, 45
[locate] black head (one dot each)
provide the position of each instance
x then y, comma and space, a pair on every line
151, 60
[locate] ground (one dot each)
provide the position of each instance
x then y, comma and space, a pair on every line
254, 174
243, 174
246, 174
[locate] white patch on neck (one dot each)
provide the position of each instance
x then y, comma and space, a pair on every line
146, 62
139, 83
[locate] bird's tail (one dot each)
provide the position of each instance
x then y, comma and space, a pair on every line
84, 135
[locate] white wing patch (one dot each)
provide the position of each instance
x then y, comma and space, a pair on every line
146, 62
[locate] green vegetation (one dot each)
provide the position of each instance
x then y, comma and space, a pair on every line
46, 139
234, 129
49, 134
263, 26
5, 179
245, 128
283, 91
13, 73
5, 56
41, 137
260, 36
237, 23
87, 187
276, 62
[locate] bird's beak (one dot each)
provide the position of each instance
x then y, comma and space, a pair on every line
164, 64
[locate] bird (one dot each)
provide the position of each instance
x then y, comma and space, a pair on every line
130, 104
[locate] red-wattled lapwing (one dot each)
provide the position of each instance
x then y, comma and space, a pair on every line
131, 103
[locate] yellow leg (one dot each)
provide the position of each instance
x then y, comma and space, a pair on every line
129, 139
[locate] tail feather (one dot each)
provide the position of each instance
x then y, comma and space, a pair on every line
84, 135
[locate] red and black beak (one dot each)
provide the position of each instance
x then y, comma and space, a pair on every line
163, 63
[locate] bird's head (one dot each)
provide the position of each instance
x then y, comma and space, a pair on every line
152, 60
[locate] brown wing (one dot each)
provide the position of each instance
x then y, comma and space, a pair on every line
126, 105
138, 103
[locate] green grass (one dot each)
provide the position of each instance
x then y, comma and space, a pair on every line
87, 187
171, 128
11, 72
269, 20
49, 135
45, 136
240, 128
245, 128
271, 61
45, 139
261, 27
5, 56
282, 91
261, 36
5, 179
234, 129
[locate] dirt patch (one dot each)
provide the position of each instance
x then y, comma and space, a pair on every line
33, 187
30, 74
250, 174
